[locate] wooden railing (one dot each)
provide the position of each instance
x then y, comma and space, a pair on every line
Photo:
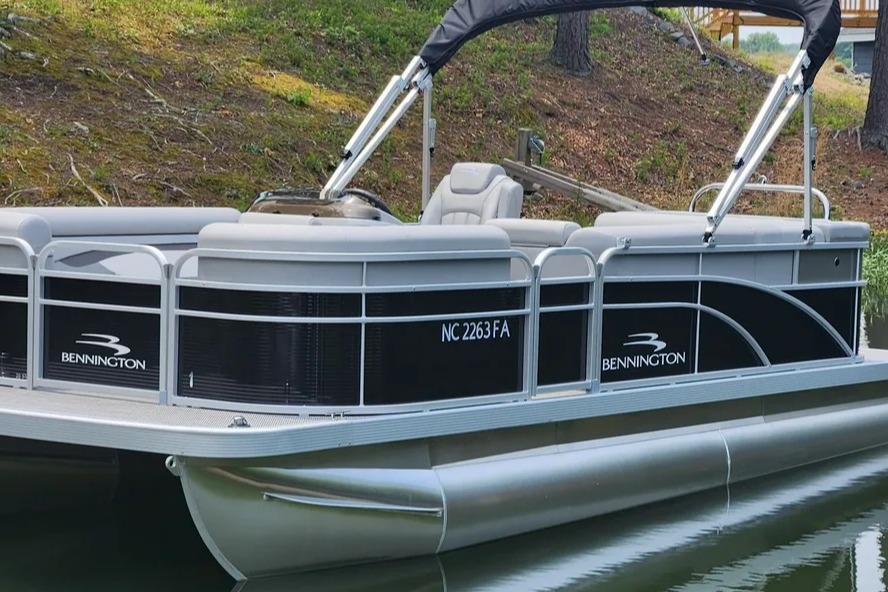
721, 22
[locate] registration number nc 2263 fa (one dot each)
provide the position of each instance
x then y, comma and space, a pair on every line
473, 330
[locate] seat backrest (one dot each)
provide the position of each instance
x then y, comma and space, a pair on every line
474, 193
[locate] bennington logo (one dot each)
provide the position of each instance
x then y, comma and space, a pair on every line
117, 360
657, 357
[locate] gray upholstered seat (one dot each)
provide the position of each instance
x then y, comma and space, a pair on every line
313, 242
305, 220
474, 193
532, 237
79, 222
769, 228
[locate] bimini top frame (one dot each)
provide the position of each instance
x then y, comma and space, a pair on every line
467, 19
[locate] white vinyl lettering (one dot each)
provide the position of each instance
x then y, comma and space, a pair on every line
643, 361
106, 361
475, 330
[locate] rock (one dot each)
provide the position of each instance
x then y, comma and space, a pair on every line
27, 55
639, 10
4, 33
80, 127
675, 34
683, 41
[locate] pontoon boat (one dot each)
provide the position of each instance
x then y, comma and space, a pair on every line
333, 386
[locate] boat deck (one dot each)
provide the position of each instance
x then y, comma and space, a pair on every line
133, 424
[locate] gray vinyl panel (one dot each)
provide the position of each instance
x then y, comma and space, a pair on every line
771, 269
838, 265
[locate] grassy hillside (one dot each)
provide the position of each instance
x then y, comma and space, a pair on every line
211, 102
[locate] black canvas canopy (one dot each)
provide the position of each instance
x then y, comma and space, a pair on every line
467, 19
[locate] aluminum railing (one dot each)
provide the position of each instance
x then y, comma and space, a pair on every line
765, 188
364, 289
47, 307
102, 303
17, 372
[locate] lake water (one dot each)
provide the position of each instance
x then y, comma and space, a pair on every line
822, 528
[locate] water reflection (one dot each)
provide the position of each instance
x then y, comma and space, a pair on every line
814, 529
147, 544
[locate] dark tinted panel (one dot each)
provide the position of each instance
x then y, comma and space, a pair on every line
629, 292
121, 293
269, 363
564, 294
837, 305
102, 347
562, 352
13, 285
647, 342
445, 302
722, 347
13, 340
270, 303
784, 331
430, 361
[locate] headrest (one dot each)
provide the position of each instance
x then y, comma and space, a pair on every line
473, 177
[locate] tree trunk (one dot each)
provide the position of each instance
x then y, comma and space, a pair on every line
571, 48
875, 126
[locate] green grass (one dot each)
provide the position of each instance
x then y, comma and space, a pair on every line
875, 272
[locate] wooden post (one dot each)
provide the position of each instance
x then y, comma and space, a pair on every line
522, 148
524, 156
735, 24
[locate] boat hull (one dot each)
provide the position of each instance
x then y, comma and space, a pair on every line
425, 496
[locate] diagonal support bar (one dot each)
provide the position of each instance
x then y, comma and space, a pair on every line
385, 101
762, 134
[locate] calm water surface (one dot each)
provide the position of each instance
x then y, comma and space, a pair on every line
821, 528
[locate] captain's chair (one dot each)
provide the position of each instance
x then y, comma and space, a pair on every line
474, 193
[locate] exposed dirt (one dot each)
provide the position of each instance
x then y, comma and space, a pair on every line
207, 123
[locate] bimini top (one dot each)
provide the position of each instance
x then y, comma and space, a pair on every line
467, 19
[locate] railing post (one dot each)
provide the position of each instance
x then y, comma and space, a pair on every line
809, 162
429, 126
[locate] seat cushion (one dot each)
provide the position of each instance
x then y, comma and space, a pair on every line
127, 221
387, 238
790, 229
536, 233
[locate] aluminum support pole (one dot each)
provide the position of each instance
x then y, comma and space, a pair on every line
395, 86
779, 91
729, 193
383, 103
809, 161
377, 139
428, 145
754, 138
703, 58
